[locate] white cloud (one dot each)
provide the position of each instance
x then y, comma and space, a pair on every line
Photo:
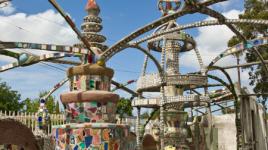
211, 41
45, 27
7, 8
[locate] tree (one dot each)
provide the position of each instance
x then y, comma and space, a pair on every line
57, 108
124, 107
255, 9
155, 114
9, 99
51, 104
31, 106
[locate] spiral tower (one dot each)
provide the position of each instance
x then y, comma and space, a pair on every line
171, 83
90, 29
90, 104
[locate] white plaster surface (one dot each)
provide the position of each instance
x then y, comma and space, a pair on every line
226, 131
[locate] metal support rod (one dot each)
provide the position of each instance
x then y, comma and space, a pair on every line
68, 62
221, 18
240, 131
218, 109
162, 125
118, 85
72, 24
162, 101
138, 128
199, 58
245, 65
238, 72
200, 111
57, 86
213, 104
145, 63
256, 94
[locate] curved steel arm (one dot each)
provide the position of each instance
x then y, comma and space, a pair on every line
147, 52
229, 87
232, 90
221, 18
119, 86
68, 62
9, 53
72, 25
46, 47
33, 60
57, 86
240, 47
121, 44
245, 65
200, 60
200, 24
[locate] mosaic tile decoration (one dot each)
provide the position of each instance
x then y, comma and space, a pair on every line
90, 112
240, 47
48, 47
33, 59
90, 82
92, 136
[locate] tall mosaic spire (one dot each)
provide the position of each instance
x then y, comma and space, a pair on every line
90, 104
91, 28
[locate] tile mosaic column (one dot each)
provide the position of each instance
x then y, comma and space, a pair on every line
91, 113
90, 106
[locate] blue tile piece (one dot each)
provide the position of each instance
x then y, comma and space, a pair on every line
105, 146
76, 147
88, 141
39, 119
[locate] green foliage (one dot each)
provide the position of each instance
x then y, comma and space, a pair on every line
9, 99
31, 106
124, 107
254, 10
57, 109
51, 104
155, 114
234, 40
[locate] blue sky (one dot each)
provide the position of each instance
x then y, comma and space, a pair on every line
120, 18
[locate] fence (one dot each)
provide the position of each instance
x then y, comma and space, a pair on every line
30, 119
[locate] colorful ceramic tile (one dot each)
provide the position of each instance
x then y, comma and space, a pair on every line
72, 139
88, 141
76, 147
116, 146
96, 136
105, 134
106, 146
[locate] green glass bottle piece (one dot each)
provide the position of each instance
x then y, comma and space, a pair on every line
92, 84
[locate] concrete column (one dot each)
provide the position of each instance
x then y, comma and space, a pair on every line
162, 124
172, 49
138, 129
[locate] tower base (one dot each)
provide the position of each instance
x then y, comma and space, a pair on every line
93, 136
